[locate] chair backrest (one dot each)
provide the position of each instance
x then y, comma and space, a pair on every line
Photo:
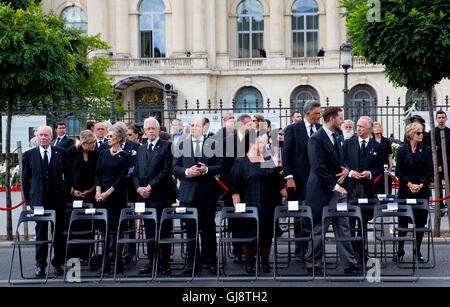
171, 214
416, 204
387, 199
250, 212
130, 214
403, 211
364, 203
283, 212
81, 215
84, 206
28, 216
332, 211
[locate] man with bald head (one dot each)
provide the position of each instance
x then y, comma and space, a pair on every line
196, 164
46, 177
100, 132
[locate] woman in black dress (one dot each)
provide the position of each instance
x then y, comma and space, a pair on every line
112, 168
414, 170
257, 183
83, 158
386, 150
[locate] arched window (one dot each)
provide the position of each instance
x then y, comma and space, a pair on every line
301, 96
420, 99
248, 99
250, 29
75, 17
305, 29
362, 102
152, 29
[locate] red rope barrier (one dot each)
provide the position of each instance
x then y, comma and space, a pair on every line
8, 209
222, 185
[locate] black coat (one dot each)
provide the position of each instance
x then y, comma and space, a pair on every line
65, 142
75, 155
415, 168
372, 163
232, 149
32, 176
439, 146
295, 155
204, 185
326, 163
155, 169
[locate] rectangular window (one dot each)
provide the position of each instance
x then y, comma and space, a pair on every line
298, 45
146, 44
312, 44
244, 45
257, 43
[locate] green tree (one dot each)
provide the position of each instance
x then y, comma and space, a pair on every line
411, 39
17, 4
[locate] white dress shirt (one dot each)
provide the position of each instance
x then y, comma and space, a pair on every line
49, 152
193, 143
360, 140
154, 143
308, 127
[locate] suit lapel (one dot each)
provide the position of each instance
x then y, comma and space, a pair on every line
330, 145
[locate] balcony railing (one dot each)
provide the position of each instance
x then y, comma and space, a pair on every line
305, 62
359, 61
247, 63
163, 63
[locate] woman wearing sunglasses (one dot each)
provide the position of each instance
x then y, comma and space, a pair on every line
414, 170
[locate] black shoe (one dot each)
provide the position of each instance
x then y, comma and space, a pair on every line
165, 270
354, 269
39, 272
238, 259
399, 256
317, 270
212, 268
59, 270
146, 270
420, 258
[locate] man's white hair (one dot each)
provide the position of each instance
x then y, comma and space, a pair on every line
150, 120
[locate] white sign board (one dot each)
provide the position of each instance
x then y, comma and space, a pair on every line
215, 120
24, 129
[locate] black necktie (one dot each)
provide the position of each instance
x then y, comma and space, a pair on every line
150, 147
363, 148
311, 131
336, 144
57, 141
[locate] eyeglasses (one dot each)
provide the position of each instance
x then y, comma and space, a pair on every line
129, 134
419, 133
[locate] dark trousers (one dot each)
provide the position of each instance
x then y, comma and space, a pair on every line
233, 225
207, 229
367, 215
164, 250
59, 242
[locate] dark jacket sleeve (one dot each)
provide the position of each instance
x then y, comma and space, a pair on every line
288, 150
428, 172
318, 165
99, 170
177, 164
236, 178
136, 178
166, 170
377, 168
26, 177
400, 168
67, 169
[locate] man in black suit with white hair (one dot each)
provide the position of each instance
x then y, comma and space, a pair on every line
45, 177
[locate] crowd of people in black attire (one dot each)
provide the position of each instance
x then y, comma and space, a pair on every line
111, 165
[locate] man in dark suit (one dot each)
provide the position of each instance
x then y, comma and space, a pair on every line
152, 178
45, 176
363, 157
62, 140
196, 164
100, 132
296, 162
324, 188
441, 119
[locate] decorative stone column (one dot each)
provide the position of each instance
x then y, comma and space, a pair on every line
178, 28
276, 46
333, 34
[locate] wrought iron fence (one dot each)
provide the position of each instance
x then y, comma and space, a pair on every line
390, 112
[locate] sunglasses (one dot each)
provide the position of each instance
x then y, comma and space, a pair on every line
129, 134
419, 133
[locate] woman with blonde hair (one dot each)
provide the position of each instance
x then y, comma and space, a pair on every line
414, 170
386, 149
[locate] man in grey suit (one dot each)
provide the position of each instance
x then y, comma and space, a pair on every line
324, 188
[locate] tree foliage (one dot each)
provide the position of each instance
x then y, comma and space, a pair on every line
411, 39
